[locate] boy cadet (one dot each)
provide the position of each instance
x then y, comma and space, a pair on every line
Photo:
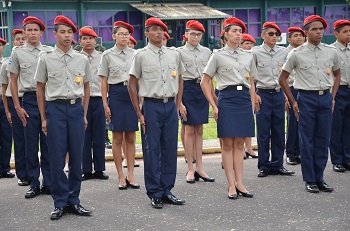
296, 37
5, 131
340, 132
313, 63
17, 127
22, 66
159, 70
270, 104
94, 133
63, 77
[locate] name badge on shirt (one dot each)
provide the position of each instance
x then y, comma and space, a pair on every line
78, 80
247, 75
173, 74
328, 71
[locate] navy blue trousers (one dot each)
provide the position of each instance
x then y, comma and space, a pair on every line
292, 142
32, 133
94, 137
315, 120
5, 140
159, 146
340, 132
270, 127
18, 141
65, 133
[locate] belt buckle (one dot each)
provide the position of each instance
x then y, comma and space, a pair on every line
198, 80
72, 101
239, 88
165, 100
321, 92
125, 83
278, 90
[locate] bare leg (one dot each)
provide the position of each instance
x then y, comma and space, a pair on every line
227, 160
117, 155
125, 161
189, 143
248, 145
67, 160
238, 162
130, 138
198, 131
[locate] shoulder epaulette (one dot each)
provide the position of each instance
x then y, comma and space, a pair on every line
329, 45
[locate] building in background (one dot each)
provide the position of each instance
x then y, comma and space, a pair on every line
101, 14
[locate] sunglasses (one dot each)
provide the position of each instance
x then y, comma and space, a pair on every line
274, 33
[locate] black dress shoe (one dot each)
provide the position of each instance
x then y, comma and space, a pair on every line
32, 192
157, 202
45, 190
250, 155
244, 194
78, 210
87, 176
206, 179
283, 171
312, 188
57, 213
171, 199
108, 144
298, 159
323, 187
23, 182
122, 187
233, 196
291, 161
338, 168
100, 175
7, 175
263, 173
134, 186
190, 181
346, 166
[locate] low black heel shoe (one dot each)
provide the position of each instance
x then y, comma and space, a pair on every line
244, 194
207, 179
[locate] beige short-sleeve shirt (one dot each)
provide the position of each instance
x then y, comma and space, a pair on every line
344, 54
23, 62
269, 62
231, 67
115, 64
63, 73
94, 61
313, 66
194, 59
158, 71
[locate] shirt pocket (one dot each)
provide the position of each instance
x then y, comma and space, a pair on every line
78, 78
328, 67
54, 74
149, 72
190, 67
26, 68
264, 69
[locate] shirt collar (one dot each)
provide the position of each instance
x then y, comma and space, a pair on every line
341, 46
155, 49
31, 48
312, 46
93, 53
231, 50
267, 48
60, 53
191, 48
119, 51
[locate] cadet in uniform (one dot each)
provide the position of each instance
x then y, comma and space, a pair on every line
5, 130
22, 66
63, 77
17, 127
234, 70
94, 133
340, 133
132, 42
296, 37
270, 104
313, 63
194, 106
159, 69
114, 68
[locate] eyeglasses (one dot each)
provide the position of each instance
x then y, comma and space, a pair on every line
274, 33
195, 35
122, 35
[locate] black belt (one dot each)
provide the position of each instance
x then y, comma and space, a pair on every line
193, 81
344, 86
165, 100
30, 93
125, 83
236, 88
66, 101
95, 97
269, 90
315, 92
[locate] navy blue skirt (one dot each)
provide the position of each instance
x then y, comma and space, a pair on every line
123, 115
235, 117
196, 104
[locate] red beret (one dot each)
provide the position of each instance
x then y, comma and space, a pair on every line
129, 27
167, 36
235, 21
16, 31
32, 19
195, 25
155, 22
248, 37
222, 33
294, 29
63, 20
3, 41
132, 39
313, 18
271, 25
73, 42
87, 31
341, 23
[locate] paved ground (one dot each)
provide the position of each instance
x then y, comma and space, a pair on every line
279, 203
